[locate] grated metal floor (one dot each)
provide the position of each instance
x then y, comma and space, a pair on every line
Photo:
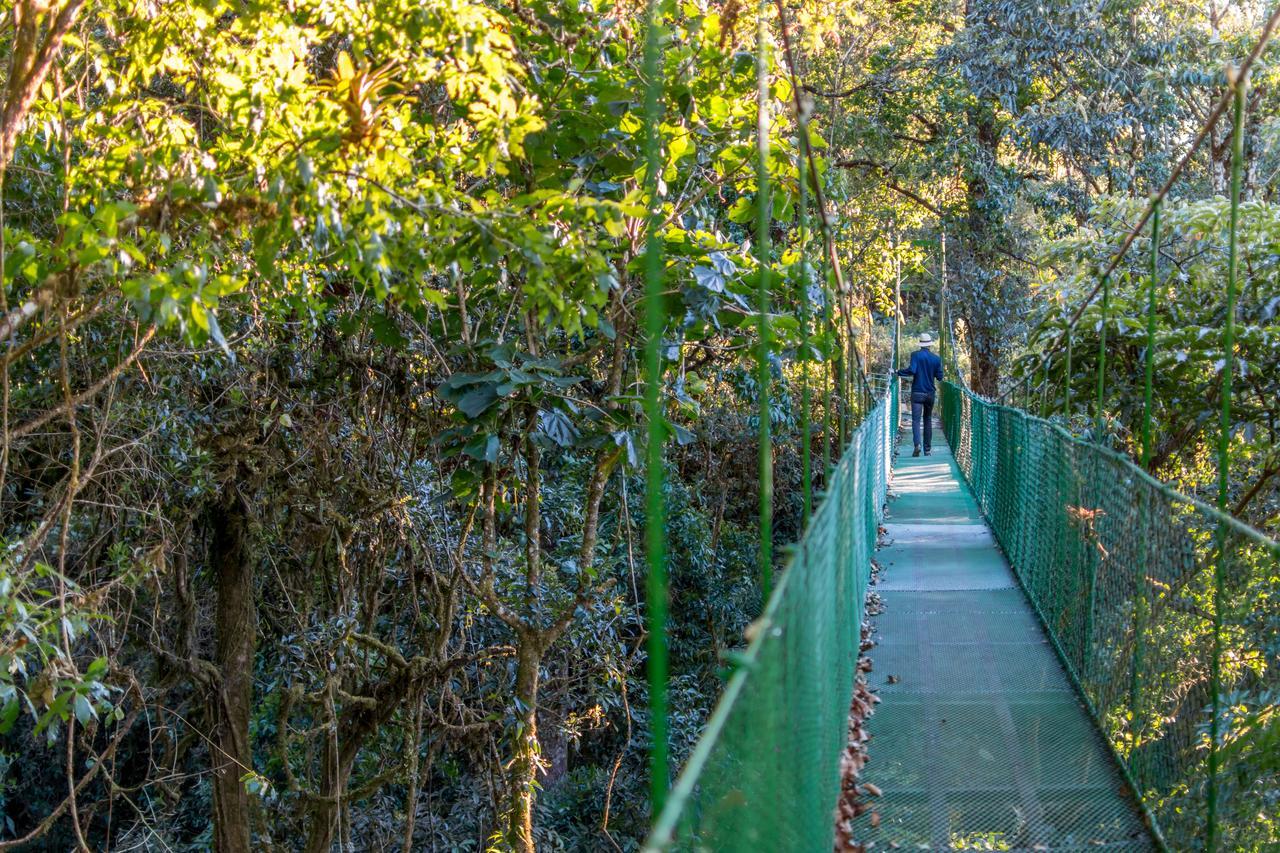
979, 742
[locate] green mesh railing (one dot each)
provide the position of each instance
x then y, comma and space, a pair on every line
765, 774
1133, 582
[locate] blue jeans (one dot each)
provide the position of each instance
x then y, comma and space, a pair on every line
922, 409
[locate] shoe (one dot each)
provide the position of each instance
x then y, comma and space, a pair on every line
915, 452
928, 453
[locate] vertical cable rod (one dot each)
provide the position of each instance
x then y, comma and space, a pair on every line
1239, 82
806, 439
1150, 358
828, 382
1066, 407
1141, 607
897, 305
655, 505
1102, 358
942, 304
763, 216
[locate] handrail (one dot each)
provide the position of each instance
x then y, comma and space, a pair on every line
778, 727
1137, 586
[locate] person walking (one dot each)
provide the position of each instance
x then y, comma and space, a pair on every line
925, 367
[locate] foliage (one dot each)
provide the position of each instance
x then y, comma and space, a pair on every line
1188, 343
320, 395
344, 297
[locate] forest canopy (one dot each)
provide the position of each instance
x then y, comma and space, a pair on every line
323, 324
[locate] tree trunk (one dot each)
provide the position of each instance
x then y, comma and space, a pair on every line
337, 759
235, 634
524, 761
350, 729
533, 512
983, 232
984, 359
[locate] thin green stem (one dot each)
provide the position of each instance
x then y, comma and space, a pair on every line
1066, 406
828, 384
806, 441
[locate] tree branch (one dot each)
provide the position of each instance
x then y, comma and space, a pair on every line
87, 394
1254, 490
30, 66
52, 818
872, 165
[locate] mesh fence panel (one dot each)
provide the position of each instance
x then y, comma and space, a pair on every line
980, 741
765, 774
1128, 576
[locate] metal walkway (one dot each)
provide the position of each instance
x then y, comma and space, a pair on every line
979, 742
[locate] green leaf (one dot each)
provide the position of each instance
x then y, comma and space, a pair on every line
556, 426
9, 715
477, 401
483, 447
84, 709
742, 211
200, 315
622, 438
386, 332
97, 669
683, 436
215, 332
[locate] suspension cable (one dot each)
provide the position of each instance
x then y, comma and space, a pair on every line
1218, 109
764, 208
655, 505
1239, 85
806, 440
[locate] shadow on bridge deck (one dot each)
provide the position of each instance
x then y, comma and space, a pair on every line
979, 741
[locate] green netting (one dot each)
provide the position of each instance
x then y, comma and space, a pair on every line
979, 742
765, 774
1128, 577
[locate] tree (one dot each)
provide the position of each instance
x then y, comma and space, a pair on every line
352, 313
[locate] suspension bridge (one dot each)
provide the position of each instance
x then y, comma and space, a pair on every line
980, 739
1071, 654
1051, 642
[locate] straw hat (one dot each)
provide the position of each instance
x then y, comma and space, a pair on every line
926, 340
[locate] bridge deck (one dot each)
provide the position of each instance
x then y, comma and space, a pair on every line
980, 741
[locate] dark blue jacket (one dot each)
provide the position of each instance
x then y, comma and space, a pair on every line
925, 367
